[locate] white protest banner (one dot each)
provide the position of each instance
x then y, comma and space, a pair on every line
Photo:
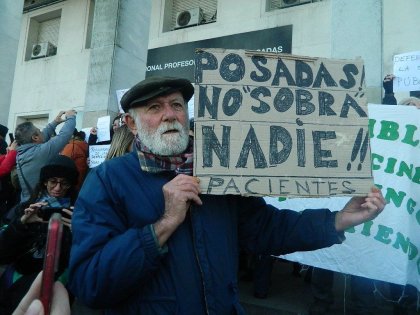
280, 125
103, 128
407, 72
386, 248
97, 154
120, 94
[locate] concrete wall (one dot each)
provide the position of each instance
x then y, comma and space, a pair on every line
119, 53
374, 30
10, 21
42, 87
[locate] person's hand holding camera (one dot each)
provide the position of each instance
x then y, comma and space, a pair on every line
31, 213
67, 216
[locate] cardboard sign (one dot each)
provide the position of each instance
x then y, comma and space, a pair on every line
97, 154
388, 247
407, 72
280, 125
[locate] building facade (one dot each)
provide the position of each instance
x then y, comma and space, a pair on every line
90, 49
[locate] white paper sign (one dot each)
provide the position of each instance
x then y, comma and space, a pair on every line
103, 128
120, 94
407, 72
387, 248
97, 154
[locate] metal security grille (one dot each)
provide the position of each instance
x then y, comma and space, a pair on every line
209, 8
48, 31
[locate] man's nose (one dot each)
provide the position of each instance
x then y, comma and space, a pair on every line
169, 113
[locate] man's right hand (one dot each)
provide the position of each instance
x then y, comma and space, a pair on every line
59, 118
178, 194
70, 113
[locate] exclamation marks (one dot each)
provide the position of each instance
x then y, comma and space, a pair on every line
359, 147
362, 81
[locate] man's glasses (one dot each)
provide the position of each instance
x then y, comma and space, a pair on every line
52, 182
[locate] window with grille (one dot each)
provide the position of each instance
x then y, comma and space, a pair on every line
43, 33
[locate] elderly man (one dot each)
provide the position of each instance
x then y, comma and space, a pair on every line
36, 148
145, 241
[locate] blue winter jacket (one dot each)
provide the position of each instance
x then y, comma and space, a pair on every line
117, 265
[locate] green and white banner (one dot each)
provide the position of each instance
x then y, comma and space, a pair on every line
386, 248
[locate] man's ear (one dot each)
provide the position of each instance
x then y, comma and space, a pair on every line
35, 138
130, 122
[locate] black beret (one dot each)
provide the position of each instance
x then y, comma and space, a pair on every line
60, 166
3, 130
153, 87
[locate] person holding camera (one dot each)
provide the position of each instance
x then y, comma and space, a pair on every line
36, 147
23, 240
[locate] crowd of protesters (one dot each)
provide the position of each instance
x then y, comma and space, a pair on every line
48, 169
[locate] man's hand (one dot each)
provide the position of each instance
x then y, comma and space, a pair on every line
31, 305
59, 118
178, 194
70, 113
12, 146
360, 209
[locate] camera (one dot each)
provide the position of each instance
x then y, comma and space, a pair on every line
45, 213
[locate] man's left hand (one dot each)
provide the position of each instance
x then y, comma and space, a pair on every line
360, 209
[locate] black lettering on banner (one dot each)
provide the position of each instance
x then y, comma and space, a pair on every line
230, 108
211, 143
346, 184
301, 152
332, 187
214, 183
349, 70
325, 100
265, 73
204, 102
282, 71
304, 75
232, 75
230, 185
351, 102
204, 61
279, 134
283, 100
300, 188
255, 93
252, 144
323, 75
303, 106
319, 154
247, 189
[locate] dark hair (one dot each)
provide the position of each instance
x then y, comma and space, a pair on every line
59, 166
24, 132
79, 134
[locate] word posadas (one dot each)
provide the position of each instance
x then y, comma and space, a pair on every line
280, 125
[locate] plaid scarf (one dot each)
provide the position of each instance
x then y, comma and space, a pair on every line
180, 164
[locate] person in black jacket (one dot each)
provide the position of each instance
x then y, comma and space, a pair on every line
23, 240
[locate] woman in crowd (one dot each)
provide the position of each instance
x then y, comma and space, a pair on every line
77, 149
23, 240
121, 143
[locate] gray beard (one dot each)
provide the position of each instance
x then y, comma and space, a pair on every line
164, 144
